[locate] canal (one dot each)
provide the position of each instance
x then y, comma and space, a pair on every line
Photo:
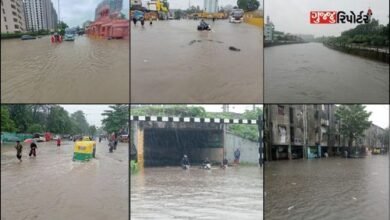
333, 188
51, 186
172, 62
84, 71
312, 73
173, 193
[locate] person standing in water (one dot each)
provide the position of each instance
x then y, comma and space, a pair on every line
58, 141
19, 148
33, 149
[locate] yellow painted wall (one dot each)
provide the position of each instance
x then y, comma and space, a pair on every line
140, 147
254, 19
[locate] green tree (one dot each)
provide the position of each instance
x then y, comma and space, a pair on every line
116, 118
80, 123
58, 121
21, 115
35, 128
92, 130
248, 5
7, 125
354, 121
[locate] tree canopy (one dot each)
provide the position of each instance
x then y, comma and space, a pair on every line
354, 121
248, 5
116, 118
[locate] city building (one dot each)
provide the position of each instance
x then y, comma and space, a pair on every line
109, 23
114, 6
40, 15
12, 16
309, 131
269, 30
210, 6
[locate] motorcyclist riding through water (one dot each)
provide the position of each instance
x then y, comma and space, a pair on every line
206, 164
185, 163
203, 25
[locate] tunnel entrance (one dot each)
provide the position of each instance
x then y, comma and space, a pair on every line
166, 146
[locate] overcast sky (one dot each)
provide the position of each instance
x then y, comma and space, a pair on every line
183, 4
93, 113
76, 12
292, 16
380, 115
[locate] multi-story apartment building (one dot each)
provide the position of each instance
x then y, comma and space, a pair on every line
114, 6
210, 6
12, 16
307, 131
40, 15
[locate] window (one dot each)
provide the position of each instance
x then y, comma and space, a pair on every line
16, 26
15, 20
6, 27
13, 6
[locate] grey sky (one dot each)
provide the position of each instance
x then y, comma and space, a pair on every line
93, 113
183, 4
380, 115
76, 12
292, 16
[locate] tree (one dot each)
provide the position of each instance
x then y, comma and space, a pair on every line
6, 122
21, 115
354, 121
80, 124
248, 5
116, 118
58, 121
92, 130
35, 128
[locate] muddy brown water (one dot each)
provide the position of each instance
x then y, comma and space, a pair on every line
84, 71
313, 73
333, 188
173, 193
172, 62
51, 186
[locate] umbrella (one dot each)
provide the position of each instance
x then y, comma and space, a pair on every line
28, 140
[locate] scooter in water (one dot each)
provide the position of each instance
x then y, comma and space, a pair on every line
206, 166
185, 167
111, 147
204, 28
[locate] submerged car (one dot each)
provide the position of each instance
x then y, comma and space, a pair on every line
27, 37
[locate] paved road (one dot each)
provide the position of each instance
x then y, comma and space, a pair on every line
172, 62
51, 186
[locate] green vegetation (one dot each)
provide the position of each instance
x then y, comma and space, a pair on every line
370, 34
116, 118
354, 121
245, 131
248, 5
42, 118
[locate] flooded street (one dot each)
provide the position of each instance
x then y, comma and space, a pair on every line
173, 193
312, 73
84, 71
172, 62
51, 186
334, 188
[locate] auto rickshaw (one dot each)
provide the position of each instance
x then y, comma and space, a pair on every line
84, 150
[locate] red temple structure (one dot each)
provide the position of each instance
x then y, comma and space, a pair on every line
109, 26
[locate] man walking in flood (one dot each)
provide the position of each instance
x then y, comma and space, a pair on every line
58, 141
19, 148
33, 149
237, 155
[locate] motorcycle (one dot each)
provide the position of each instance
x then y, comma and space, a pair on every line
204, 27
185, 167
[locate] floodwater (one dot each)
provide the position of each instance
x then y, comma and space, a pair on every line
173, 193
84, 71
313, 73
172, 62
52, 186
333, 188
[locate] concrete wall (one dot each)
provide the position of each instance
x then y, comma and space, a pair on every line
249, 149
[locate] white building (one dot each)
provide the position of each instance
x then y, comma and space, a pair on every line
210, 6
12, 16
40, 15
269, 30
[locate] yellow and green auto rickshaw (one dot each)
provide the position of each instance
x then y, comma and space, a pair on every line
84, 150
